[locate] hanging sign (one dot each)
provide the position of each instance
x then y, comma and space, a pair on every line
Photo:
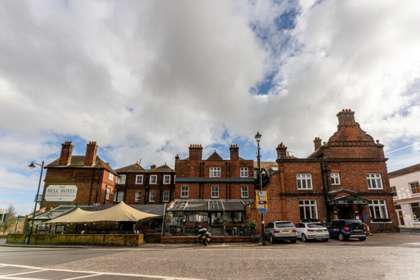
57, 193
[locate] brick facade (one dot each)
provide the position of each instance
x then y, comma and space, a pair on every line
88, 173
194, 173
349, 155
145, 190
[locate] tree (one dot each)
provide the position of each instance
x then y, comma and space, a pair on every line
8, 226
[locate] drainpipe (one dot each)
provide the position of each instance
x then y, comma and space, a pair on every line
326, 188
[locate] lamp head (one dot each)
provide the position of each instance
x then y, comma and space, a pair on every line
32, 165
258, 136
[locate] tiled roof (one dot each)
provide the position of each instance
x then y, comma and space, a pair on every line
132, 168
162, 168
79, 162
405, 170
214, 156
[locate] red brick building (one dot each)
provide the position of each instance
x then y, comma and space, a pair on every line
345, 177
136, 185
213, 191
92, 179
214, 177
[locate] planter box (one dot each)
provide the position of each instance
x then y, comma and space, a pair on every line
80, 239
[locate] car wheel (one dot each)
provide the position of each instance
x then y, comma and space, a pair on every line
341, 237
304, 239
293, 241
362, 238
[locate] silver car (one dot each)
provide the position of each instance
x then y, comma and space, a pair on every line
312, 231
280, 230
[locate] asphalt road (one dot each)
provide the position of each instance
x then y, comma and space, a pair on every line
382, 256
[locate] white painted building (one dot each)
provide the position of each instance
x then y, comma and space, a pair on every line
405, 184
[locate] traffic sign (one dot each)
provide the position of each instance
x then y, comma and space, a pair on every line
261, 201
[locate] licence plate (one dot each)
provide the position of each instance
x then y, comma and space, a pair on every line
285, 230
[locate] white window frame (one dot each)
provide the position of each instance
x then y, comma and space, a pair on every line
215, 191
313, 209
215, 172
152, 196
139, 179
184, 191
335, 179
119, 196
107, 193
380, 206
244, 191
243, 172
153, 182
137, 196
121, 179
304, 181
166, 195
374, 181
110, 176
166, 179
415, 185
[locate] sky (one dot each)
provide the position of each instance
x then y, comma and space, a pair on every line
147, 78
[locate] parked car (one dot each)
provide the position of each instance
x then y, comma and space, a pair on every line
347, 229
312, 231
280, 230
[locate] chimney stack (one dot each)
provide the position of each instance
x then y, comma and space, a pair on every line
153, 166
346, 118
91, 150
195, 152
66, 153
281, 151
317, 143
234, 152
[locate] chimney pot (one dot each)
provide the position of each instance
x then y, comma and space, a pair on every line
317, 143
91, 152
346, 118
234, 152
281, 151
66, 153
195, 152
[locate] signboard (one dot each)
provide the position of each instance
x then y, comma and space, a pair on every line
261, 200
58, 193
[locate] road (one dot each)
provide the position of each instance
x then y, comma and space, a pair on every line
382, 256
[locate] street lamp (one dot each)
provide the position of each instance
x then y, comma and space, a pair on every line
34, 164
259, 177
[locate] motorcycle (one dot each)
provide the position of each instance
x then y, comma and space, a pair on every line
204, 236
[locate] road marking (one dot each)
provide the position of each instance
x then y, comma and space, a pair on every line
84, 276
89, 272
22, 273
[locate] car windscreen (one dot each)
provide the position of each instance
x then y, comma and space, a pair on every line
355, 225
284, 224
317, 225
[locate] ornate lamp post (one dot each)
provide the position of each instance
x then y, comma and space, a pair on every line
34, 165
259, 177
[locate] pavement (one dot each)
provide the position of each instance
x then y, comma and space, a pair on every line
382, 256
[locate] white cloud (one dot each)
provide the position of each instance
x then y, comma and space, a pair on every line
147, 78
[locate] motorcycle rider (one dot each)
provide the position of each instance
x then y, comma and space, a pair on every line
203, 235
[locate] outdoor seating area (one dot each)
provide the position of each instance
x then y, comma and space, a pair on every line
221, 217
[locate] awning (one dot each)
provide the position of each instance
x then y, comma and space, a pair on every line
207, 205
118, 213
345, 197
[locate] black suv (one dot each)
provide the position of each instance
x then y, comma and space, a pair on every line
347, 229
